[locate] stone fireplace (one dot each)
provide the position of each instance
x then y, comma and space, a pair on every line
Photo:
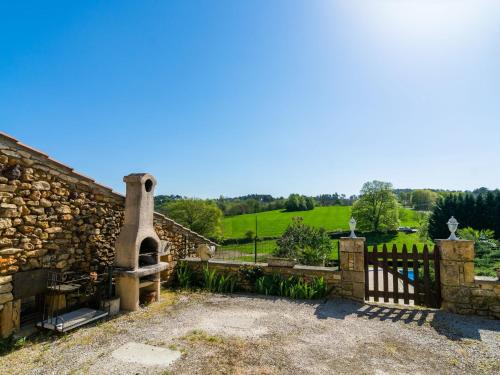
137, 258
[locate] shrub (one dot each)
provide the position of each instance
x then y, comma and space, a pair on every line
251, 273
249, 234
309, 245
10, 344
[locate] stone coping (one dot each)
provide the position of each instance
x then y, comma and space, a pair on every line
299, 267
486, 280
315, 268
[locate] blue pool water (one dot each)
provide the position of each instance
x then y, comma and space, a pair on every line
411, 276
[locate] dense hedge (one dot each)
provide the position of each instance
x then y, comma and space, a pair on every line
481, 212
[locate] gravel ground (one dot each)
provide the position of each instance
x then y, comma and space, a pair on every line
248, 334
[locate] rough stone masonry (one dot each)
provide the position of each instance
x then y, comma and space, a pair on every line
53, 217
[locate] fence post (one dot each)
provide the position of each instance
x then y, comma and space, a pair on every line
255, 242
352, 267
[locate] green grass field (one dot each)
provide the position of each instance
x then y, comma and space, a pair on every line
274, 223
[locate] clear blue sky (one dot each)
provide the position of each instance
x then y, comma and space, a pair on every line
236, 97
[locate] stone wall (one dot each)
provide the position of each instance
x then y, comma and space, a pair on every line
331, 275
52, 217
352, 258
461, 291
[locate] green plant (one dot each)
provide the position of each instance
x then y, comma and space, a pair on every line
313, 256
319, 284
213, 282
10, 343
251, 273
184, 275
210, 279
309, 245
292, 287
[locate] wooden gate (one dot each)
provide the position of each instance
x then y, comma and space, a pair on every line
401, 277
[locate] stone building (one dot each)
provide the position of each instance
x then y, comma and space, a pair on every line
52, 217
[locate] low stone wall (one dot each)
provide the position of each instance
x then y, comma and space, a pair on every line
331, 275
52, 217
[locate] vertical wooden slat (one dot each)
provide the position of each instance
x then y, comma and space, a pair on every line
375, 271
406, 296
437, 273
366, 271
427, 287
395, 274
416, 288
386, 282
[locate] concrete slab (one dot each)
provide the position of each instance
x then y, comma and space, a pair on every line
147, 355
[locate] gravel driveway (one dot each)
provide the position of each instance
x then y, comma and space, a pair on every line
248, 334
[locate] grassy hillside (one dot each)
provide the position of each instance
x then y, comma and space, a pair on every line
274, 223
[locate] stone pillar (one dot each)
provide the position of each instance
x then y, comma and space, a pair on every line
128, 289
457, 274
352, 267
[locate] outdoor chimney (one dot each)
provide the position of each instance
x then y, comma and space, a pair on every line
137, 247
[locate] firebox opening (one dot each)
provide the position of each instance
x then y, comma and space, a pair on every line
148, 185
148, 252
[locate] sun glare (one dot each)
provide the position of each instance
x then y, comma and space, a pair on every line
423, 23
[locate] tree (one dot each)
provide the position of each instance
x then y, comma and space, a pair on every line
423, 226
309, 203
200, 216
296, 202
377, 207
423, 200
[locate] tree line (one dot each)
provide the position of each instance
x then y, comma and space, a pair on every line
254, 203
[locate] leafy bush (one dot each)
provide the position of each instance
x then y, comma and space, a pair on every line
292, 287
251, 273
487, 256
184, 275
309, 245
213, 282
10, 344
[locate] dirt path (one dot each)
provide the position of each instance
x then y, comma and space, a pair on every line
244, 334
